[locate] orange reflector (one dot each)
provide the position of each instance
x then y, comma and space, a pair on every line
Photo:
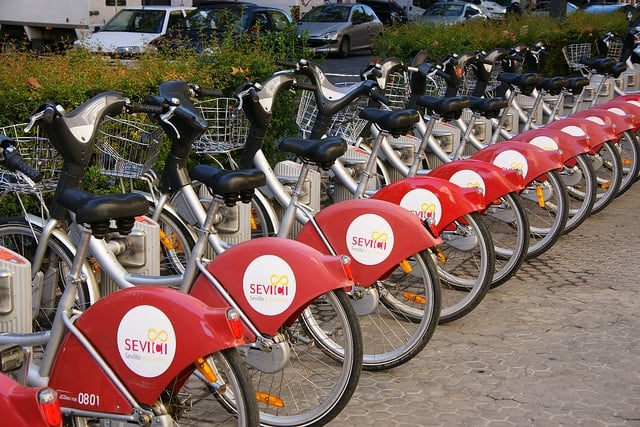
205, 369
165, 240
270, 400
405, 266
254, 223
626, 161
440, 255
415, 298
605, 185
540, 195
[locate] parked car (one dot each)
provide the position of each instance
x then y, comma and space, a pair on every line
543, 7
213, 20
608, 8
451, 12
388, 11
340, 28
131, 30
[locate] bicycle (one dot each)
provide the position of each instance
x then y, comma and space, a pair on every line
465, 260
397, 290
140, 346
273, 337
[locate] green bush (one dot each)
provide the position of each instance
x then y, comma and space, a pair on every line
439, 41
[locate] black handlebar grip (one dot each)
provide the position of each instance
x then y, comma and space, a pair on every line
136, 107
301, 86
443, 75
379, 97
14, 161
286, 64
216, 93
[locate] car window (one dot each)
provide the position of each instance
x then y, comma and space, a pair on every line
329, 13
212, 19
471, 11
279, 20
139, 21
175, 19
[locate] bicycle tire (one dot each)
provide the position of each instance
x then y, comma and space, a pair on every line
323, 370
581, 189
547, 207
20, 236
229, 402
630, 155
386, 347
508, 224
608, 168
466, 262
176, 241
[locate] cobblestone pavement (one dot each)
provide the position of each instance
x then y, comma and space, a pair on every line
557, 345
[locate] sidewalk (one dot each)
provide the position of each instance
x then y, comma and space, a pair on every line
557, 345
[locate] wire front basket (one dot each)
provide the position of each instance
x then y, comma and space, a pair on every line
127, 148
346, 123
397, 90
574, 52
227, 126
37, 151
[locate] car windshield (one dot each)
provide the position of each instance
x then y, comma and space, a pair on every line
212, 19
136, 21
444, 10
328, 13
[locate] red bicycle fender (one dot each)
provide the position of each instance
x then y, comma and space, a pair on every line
569, 138
530, 160
272, 280
432, 199
610, 116
493, 182
376, 234
578, 127
148, 336
627, 106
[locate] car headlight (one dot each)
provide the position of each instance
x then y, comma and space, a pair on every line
330, 35
128, 50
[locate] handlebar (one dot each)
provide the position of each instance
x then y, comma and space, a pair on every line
10, 156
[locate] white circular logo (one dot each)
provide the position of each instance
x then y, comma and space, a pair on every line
617, 111
573, 131
596, 120
369, 239
468, 179
269, 285
146, 341
424, 204
545, 142
512, 159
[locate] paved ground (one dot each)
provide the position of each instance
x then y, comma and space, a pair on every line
557, 345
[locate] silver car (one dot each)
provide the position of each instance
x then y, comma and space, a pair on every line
451, 12
340, 28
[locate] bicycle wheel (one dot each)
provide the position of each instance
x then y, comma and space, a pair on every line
229, 401
176, 241
580, 180
545, 202
323, 370
50, 280
508, 224
398, 314
608, 167
629, 148
465, 262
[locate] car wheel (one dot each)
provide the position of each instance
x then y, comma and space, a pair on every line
345, 47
